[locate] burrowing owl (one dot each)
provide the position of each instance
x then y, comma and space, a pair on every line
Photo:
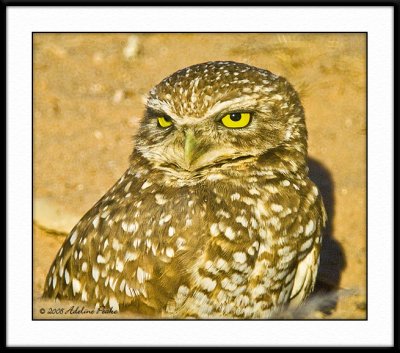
215, 216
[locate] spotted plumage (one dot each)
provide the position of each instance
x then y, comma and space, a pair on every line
215, 216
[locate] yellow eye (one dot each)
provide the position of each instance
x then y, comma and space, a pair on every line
164, 121
236, 120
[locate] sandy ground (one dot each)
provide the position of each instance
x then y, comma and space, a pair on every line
88, 99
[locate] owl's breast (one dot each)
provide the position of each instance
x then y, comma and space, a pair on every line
151, 239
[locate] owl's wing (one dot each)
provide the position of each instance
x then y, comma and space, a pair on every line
307, 266
304, 280
125, 252
253, 270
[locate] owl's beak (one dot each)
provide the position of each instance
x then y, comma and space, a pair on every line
197, 153
190, 149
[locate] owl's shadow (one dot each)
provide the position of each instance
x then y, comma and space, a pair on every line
332, 258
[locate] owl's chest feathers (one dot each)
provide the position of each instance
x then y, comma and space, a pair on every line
240, 208
181, 226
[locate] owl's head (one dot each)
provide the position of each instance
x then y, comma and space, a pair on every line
217, 114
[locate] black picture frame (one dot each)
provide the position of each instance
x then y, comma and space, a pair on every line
306, 4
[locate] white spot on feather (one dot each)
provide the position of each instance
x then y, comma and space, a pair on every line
235, 196
229, 233
164, 219
171, 231
76, 286
273, 189
136, 242
116, 245
208, 284
228, 285
129, 292
124, 226
170, 252
105, 214
101, 259
254, 191
160, 199
84, 297
242, 220
188, 222
146, 184
254, 223
73, 237
274, 221
239, 257
119, 265
223, 214
180, 243
259, 290
222, 265
306, 244
142, 275
113, 282
214, 229
132, 227
215, 177
131, 256
66, 276
310, 227
95, 273
127, 186
96, 221
284, 251
114, 304
276, 208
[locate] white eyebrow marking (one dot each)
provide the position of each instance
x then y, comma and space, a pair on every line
162, 106
244, 102
240, 102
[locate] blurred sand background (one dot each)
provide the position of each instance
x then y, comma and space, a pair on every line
88, 99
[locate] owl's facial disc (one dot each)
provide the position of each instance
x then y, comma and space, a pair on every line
193, 143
